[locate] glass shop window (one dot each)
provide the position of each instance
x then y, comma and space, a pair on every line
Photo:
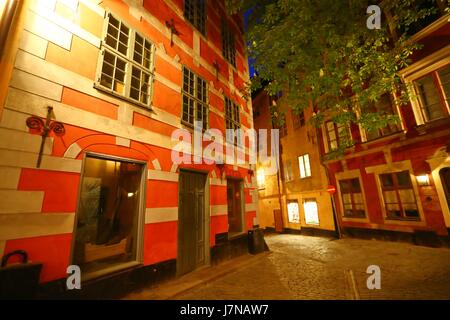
293, 211
108, 214
311, 211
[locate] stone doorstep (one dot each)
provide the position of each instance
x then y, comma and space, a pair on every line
172, 288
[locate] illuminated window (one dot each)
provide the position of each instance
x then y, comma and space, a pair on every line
126, 67
398, 196
195, 93
352, 198
228, 43
311, 211
304, 166
433, 91
195, 13
109, 214
293, 211
261, 178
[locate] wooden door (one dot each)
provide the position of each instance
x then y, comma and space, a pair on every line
191, 222
278, 218
234, 204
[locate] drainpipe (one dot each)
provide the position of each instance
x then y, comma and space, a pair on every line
333, 204
278, 159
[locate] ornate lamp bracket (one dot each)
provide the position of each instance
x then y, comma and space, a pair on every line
44, 129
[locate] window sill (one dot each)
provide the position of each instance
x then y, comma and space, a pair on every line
404, 219
422, 129
404, 222
354, 219
121, 97
384, 138
110, 271
191, 128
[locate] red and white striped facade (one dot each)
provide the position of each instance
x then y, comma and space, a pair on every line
56, 61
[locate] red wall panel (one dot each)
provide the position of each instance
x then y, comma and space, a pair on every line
52, 251
162, 194
60, 188
160, 242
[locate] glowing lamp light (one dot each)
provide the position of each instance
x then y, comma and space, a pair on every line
423, 180
261, 178
130, 194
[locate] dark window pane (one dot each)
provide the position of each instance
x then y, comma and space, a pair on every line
429, 98
404, 180
387, 180
195, 13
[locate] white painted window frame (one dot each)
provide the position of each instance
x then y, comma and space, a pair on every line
129, 63
421, 68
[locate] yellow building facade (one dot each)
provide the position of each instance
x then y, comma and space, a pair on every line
299, 189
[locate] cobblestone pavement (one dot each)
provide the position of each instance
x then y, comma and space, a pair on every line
302, 267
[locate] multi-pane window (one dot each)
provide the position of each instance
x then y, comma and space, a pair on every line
228, 43
383, 106
336, 134
398, 196
126, 63
288, 174
304, 166
195, 13
433, 92
298, 119
232, 115
352, 198
195, 101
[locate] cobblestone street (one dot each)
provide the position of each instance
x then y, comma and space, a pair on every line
301, 267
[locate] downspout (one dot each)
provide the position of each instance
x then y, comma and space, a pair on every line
333, 204
278, 158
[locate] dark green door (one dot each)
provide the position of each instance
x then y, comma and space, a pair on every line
191, 222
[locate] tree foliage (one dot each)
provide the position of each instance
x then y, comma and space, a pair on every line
322, 52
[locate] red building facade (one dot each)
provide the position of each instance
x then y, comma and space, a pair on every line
121, 77
395, 181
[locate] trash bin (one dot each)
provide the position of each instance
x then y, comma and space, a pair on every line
19, 280
255, 241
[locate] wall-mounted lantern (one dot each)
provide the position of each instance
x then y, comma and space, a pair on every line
423, 180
